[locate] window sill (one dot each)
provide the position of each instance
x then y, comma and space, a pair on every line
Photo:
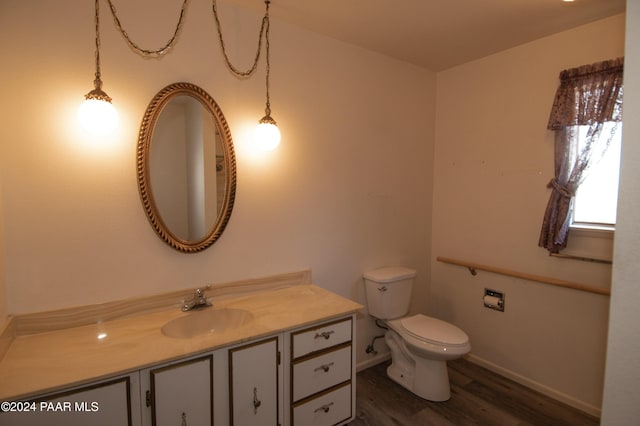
592, 230
591, 242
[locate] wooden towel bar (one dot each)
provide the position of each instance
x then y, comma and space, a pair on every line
531, 277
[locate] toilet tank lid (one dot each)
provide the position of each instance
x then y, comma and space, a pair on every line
390, 274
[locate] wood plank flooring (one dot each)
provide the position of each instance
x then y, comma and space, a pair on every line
478, 397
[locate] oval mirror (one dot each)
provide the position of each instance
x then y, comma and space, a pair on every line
186, 167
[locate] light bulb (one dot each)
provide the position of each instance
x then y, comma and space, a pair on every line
98, 117
267, 135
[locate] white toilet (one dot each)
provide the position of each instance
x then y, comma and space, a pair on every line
420, 345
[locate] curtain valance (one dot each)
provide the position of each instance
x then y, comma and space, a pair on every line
588, 94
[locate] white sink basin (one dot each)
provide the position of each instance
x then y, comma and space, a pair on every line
207, 321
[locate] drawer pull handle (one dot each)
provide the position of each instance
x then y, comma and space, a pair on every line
256, 401
325, 334
325, 408
184, 419
324, 367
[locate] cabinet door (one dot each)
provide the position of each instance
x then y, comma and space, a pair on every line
102, 404
181, 394
253, 384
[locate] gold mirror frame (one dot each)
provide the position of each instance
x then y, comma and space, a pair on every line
145, 138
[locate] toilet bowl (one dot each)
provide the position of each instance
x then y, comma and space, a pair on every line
427, 336
420, 345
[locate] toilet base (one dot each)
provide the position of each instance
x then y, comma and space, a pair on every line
427, 378
430, 380
402, 376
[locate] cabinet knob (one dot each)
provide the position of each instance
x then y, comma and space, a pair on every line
184, 419
325, 334
256, 401
325, 408
324, 367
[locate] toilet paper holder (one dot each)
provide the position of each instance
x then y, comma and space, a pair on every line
493, 299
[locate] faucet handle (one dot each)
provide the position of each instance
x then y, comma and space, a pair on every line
198, 301
200, 290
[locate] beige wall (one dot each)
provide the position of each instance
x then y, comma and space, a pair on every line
349, 188
494, 158
620, 405
4, 308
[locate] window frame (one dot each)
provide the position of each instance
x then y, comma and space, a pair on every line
594, 228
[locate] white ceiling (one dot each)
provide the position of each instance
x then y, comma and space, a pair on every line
437, 34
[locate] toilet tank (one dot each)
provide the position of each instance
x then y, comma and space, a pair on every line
388, 291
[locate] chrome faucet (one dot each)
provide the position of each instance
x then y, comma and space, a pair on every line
199, 301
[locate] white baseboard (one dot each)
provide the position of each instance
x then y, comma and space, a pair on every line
532, 384
375, 360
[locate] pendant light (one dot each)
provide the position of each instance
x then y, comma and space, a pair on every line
97, 115
266, 135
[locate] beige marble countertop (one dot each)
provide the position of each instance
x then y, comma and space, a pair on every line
53, 360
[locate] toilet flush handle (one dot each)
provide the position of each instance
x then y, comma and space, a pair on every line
383, 288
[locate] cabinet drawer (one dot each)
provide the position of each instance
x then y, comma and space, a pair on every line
326, 410
322, 337
321, 372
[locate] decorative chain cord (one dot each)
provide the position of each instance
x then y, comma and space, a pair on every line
97, 56
264, 29
144, 52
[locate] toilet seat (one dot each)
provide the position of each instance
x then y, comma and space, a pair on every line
434, 331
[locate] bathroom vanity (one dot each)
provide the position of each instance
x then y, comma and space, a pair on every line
291, 363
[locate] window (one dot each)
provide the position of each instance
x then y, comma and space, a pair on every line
597, 196
589, 96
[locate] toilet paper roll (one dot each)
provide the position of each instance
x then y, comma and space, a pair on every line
492, 301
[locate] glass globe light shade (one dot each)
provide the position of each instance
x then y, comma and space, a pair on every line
267, 135
98, 117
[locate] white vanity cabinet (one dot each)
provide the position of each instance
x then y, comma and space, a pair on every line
178, 394
108, 403
322, 374
299, 377
237, 385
